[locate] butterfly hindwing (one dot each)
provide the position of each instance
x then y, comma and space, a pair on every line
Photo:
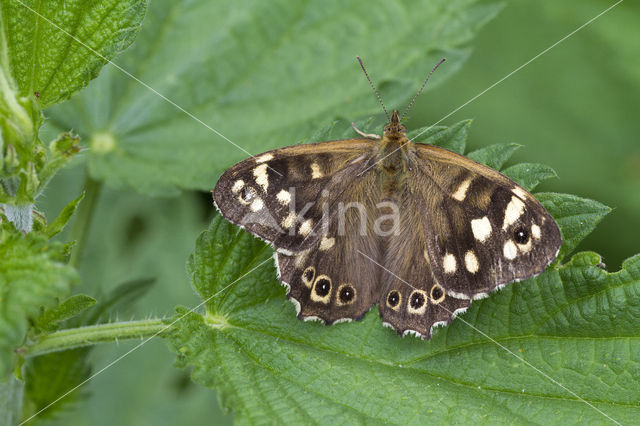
412, 299
331, 280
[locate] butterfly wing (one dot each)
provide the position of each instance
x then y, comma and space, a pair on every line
330, 280
465, 230
279, 195
488, 230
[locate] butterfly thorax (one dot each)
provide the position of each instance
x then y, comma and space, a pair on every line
394, 153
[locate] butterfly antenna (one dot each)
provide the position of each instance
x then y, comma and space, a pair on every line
373, 87
413, 101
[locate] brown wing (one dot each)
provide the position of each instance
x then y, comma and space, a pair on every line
278, 195
464, 231
331, 280
485, 231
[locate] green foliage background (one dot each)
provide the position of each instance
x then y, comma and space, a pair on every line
573, 109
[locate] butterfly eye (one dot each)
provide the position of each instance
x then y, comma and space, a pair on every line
417, 300
393, 298
521, 235
246, 194
437, 295
347, 294
308, 275
323, 286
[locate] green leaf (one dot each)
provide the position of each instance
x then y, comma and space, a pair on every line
453, 138
50, 50
575, 323
33, 273
575, 216
221, 256
494, 156
51, 375
529, 175
49, 320
50, 45
265, 76
58, 224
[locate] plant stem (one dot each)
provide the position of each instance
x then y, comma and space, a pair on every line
91, 335
82, 223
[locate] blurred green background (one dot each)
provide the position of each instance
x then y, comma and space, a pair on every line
574, 109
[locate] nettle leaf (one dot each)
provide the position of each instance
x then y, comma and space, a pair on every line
58, 224
46, 60
49, 376
33, 273
264, 74
49, 320
529, 175
575, 216
453, 138
494, 156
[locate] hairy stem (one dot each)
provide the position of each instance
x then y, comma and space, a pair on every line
91, 335
84, 216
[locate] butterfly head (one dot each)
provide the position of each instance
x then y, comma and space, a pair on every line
394, 130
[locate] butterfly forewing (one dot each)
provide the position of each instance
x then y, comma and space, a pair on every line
276, 195
488, 232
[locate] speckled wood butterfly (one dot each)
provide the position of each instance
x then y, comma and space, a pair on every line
416, 229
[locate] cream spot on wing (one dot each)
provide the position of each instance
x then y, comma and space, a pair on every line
256, 205
525, 248
457, 295
284, 251
326, 243
305, 227
449, 263
284, 197
471, 262
535, 231
510, 250
481, 229
237, 186
264, 157
288, 221
461, 192
520, 192
262, 178
512, 213
315, 171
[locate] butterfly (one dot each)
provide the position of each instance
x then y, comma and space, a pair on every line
416, 229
